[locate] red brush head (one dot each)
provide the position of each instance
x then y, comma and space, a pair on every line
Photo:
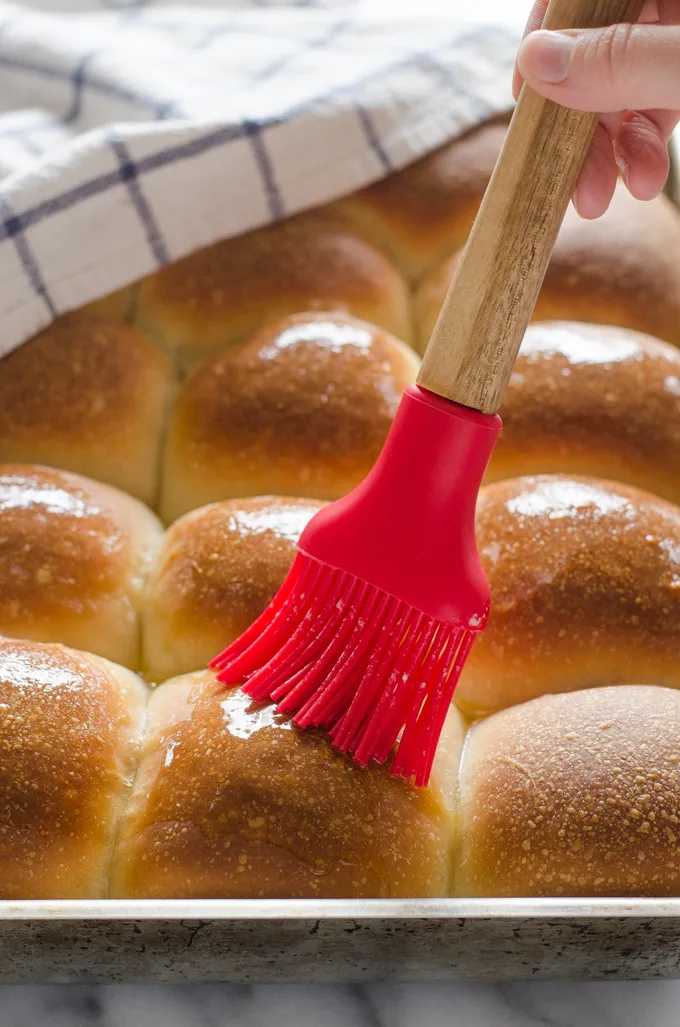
368, 634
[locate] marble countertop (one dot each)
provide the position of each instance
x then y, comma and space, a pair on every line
634, 1004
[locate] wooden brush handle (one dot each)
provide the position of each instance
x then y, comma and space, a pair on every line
474, 344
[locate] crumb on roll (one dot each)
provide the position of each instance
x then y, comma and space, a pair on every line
232, 801
74, 555
585, 590
595, 400
302, 408
573, 795
201, 304
88, 396
217, 569
70, 734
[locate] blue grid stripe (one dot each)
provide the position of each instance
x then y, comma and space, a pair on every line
108, 89
28, 262
373, 137
254, 133
130, 176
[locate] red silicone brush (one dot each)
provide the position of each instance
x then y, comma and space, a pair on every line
368, 634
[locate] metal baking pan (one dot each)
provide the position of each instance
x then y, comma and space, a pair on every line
257, 940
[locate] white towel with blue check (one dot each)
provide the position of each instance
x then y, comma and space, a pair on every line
133, 132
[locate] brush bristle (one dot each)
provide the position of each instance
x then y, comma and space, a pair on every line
343, 655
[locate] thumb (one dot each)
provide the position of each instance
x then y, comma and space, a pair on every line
621, 67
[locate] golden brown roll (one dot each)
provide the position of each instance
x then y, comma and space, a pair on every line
74, 555
70, 734
117, 306
300, 409
585, 590
231, 801
622, 269
216, 571
596, 400
421, 214
574, 795
198, 306
87, 396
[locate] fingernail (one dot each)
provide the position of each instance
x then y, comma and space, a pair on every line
545, 56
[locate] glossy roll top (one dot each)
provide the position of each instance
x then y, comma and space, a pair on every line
585, 590
595, 400
217, 569
74, 556
302, 408
203, 303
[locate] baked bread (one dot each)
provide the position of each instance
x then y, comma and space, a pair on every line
622, 269
300, 409
74, 555
573, 795
117, 306
585, 590
202, 304
89, 396
70, 734
596, 400
231, 801
216, 571
421, 214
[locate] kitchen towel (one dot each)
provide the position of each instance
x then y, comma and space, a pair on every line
133, 132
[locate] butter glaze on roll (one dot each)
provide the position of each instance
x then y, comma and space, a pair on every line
585, 590
596, 400
70, 734
300, 409
622, 269
231, 801
422, 213
87, 396
198, 306
216, 571
573, 795
74, 555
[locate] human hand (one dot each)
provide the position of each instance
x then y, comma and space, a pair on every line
628, 73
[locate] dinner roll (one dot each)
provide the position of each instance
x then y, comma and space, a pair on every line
217, 570
117, 306
593, 399
300, 409
573, 795
421, 214
70, 732
585, 590
198, 306
622, 269
73, 558
231, 801
88, 396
